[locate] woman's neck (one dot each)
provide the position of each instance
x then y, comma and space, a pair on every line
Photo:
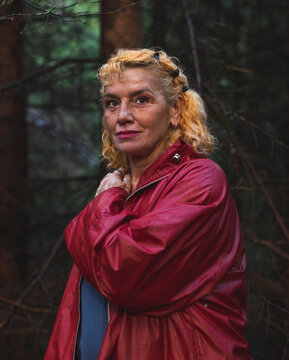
137, 168
139, 165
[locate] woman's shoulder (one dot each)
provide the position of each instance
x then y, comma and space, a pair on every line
198, 165
203, 176
204, 167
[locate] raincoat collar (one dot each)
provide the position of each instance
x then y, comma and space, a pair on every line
176, 154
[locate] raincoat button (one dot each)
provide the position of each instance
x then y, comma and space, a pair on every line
176, 158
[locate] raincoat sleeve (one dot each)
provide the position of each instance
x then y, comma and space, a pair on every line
166, 259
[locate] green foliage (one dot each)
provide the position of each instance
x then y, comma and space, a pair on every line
66, 98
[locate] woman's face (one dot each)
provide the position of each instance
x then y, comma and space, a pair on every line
137, 114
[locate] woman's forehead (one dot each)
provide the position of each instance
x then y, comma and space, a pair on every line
134, 77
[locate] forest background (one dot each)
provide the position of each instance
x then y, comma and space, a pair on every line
235, 53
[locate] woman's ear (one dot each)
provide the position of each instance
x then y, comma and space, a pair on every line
176, 110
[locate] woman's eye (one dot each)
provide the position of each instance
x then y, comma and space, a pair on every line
110, 104
141, 100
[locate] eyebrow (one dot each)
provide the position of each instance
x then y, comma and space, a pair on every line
134, 93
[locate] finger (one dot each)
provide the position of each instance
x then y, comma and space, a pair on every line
119, 172
103, 184
127, 177
127, 183
123, 170
127, 187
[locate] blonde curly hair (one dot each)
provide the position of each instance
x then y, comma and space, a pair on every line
192, 127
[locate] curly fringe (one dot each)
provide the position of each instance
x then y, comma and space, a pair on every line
192, 127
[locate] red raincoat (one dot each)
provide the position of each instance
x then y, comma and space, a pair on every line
170, 260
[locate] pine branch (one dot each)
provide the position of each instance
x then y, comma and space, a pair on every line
46, 70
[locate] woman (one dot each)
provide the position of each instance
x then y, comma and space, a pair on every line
161, 242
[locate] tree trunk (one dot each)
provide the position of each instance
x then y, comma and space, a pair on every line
286, 277
121, 25
159, 24
13, 150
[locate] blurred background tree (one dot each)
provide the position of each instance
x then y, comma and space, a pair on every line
13, 151
234, 52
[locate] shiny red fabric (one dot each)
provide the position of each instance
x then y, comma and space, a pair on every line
171, 261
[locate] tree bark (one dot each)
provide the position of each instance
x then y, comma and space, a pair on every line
286, 277
159, 24
121, 25
12, 150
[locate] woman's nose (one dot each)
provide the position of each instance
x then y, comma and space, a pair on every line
124, 113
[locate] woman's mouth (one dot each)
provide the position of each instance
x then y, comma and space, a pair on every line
127, 134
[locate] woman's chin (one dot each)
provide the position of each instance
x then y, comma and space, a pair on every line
133, 153
140, 151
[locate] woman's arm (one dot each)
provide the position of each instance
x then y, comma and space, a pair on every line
172, 256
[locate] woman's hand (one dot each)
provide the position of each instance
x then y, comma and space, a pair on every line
118, 178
